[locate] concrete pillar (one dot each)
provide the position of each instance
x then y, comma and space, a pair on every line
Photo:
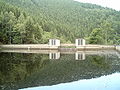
80, 42
118, 47
54, 42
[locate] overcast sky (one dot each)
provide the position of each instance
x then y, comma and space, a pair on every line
115, 4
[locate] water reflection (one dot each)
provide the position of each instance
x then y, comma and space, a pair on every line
23, 70
109, 82
54, 55
80, 56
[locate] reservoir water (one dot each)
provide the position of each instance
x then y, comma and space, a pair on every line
48, 70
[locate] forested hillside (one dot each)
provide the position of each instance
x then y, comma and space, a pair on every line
35, 21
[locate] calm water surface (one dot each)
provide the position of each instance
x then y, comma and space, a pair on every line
83, 70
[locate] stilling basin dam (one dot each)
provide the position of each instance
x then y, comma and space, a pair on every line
54, 44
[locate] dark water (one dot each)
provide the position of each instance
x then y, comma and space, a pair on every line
85, 70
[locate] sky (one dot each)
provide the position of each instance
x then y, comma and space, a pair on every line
114, 4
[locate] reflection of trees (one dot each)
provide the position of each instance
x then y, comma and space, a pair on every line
16, 67
100, 61
67, 69
25, 70
37, 62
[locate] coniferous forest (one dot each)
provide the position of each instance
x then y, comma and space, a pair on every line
35, 21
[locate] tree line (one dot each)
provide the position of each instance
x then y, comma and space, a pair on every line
35, 21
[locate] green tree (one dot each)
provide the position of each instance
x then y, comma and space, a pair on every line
96, 36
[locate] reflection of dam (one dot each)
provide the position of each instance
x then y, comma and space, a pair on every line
79, 56
54, 55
